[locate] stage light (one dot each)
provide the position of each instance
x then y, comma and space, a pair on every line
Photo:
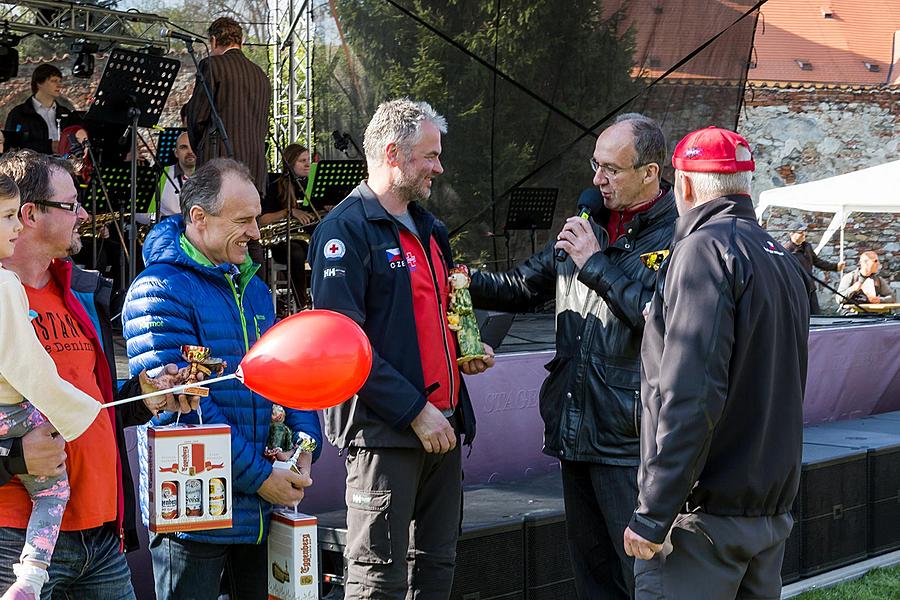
83, 67
9, 56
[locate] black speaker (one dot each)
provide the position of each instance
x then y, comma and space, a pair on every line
881, 438
490, 554
833, 511
548, 570
332, 536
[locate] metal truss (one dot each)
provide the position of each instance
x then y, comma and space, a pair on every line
292, 36
82, 21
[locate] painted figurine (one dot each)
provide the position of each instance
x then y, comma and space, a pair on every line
461, 316
279, 444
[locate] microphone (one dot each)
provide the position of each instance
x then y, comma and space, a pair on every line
177, 35
589, 202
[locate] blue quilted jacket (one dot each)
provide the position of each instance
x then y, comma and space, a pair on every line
182, 298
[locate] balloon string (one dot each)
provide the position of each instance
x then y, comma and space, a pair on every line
174, 390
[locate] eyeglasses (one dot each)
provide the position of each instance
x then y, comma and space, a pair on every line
609, 171
71, 207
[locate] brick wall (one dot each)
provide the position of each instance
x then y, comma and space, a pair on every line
802, 134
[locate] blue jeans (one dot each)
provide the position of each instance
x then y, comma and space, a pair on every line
196, 571
86, 565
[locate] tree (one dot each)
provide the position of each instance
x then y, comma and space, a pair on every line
574, 56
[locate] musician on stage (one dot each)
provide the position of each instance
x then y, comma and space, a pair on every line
171, 181
287, 191
243, 96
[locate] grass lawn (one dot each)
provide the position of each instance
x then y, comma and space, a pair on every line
879, 584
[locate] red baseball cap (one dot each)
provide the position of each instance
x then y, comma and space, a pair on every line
711, 150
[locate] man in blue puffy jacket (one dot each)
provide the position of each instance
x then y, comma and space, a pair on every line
199, 288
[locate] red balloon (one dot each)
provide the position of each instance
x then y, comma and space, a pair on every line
311, 360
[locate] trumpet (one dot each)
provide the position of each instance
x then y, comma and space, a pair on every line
86, 229
277, 233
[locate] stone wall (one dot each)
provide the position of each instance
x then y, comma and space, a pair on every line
802, 134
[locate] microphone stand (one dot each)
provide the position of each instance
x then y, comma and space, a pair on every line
105, 192
218, 125
158, 166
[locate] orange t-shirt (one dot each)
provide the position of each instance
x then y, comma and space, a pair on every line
91, 462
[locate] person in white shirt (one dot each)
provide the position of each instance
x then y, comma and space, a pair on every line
39, 119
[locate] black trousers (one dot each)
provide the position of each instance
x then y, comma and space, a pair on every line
600, 500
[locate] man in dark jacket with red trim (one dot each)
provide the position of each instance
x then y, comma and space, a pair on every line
384, 261
724, 367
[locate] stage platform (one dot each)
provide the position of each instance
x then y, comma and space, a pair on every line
854, 371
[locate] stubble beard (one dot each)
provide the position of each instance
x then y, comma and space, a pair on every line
75, 245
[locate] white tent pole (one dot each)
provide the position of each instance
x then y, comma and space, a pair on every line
843, 223
829, 232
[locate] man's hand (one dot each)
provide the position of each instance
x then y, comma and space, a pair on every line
434, 430
169, 377
578, 239
480, 365
868, 288
638, 547
45, 451
303, 216
841, 265
284, 487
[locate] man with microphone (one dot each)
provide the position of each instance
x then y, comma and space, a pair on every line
590, 401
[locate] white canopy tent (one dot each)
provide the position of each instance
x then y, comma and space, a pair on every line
873, 190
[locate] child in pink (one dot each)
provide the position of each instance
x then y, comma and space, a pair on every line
27, 371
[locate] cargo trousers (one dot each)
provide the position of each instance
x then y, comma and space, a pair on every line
403, 520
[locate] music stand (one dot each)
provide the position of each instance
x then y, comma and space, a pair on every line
133, 91
118, 185
530, 209
330, 181
166, 142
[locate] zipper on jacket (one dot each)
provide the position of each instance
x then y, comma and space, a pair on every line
636, 411
442, 319
240, 307
238, 299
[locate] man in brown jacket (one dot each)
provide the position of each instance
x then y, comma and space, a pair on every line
242, 94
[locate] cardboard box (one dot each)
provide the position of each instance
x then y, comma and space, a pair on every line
189, 477
293, 556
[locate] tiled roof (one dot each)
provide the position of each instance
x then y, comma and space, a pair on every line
666, 31
834, 38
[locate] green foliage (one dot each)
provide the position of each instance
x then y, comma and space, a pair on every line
569, 54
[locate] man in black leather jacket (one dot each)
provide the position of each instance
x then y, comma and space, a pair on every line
724, 363
590, 401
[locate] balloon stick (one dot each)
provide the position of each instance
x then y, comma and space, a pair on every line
174, 390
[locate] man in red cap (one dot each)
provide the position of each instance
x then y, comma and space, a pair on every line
722, 415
